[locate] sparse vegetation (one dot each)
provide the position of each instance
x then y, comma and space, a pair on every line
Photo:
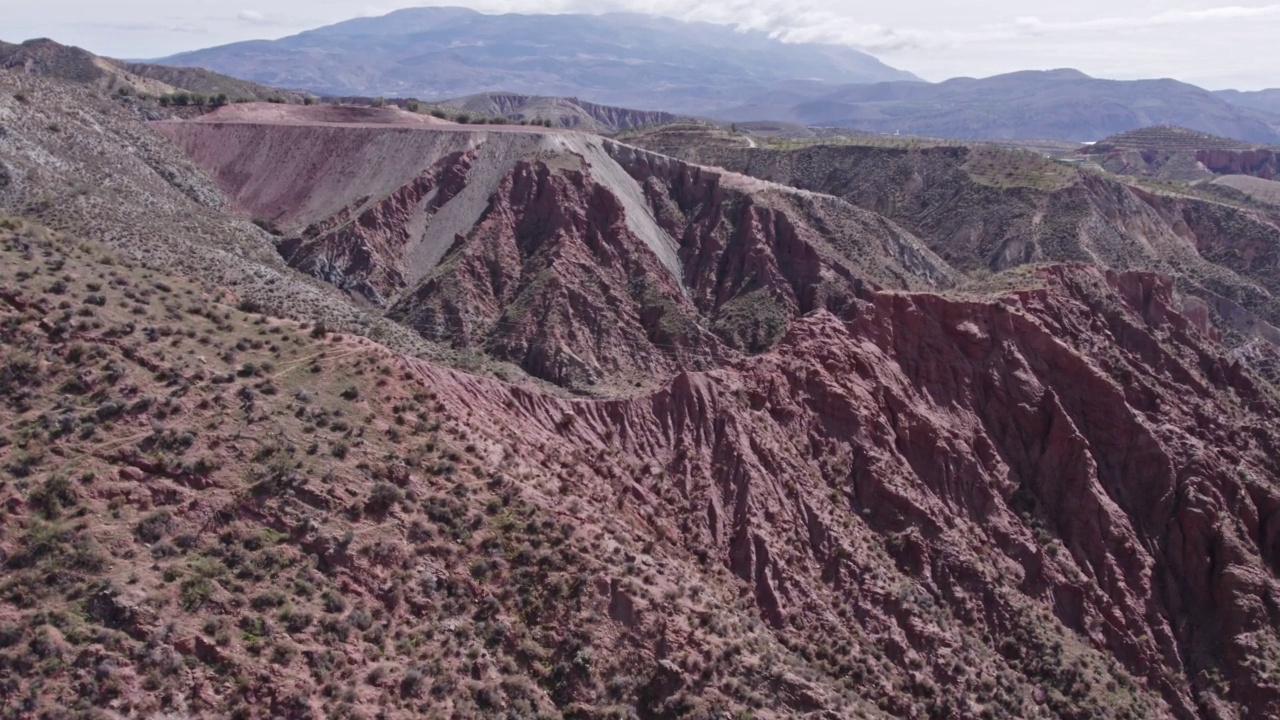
208, 505
184, 99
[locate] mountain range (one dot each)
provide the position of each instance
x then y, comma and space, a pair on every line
1028, 105
619, 59
1266, 100
716, 71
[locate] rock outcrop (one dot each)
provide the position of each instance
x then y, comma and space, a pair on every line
975, 223
577, 258
1068, 486
1258, 163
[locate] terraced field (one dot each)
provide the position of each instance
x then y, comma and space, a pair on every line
1169, 138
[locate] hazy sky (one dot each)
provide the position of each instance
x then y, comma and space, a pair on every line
1214, 44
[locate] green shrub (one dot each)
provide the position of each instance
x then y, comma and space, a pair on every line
194, 592
154, 527
53, 496
384, 497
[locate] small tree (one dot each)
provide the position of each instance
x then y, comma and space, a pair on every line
462, 119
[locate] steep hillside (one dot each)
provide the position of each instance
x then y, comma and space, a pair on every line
50, 59
80, 158
988, 210
827, 475
564, 112
203, 81
579, 259
1263, 191
212, 512
1058, 104
616, 59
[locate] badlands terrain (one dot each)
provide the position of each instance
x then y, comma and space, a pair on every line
328, 411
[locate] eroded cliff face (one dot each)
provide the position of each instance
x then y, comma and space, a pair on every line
559, 277
553, 279
575, 257
1258, 163
1220, 253
857, 491
364, 247
1068, 488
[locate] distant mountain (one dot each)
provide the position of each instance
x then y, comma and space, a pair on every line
617, 59
1055, 104
1265, 100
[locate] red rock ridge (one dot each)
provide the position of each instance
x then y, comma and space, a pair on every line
554, 277
1059, 476
1258, 163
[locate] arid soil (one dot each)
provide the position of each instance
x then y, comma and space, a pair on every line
1263, 191
1055, 502
263, 112
257, 461
83, 160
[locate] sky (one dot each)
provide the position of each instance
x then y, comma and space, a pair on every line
1213, 44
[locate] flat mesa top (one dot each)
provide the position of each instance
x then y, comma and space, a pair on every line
260, 113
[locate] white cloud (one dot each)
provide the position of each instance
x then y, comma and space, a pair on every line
256, 19
1036, 26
